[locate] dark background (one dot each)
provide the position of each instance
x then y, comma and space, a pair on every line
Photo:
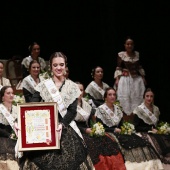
91, 33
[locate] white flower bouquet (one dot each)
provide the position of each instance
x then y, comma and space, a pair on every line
163, 128
127, 128
18, 99
97, 130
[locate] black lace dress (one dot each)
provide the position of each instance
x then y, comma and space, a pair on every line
72, 155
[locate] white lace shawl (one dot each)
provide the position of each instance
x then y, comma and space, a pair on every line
93, 91
3, 120
144, 116
69, 92
29, 83
106, 118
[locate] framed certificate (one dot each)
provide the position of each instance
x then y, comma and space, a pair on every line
37, 123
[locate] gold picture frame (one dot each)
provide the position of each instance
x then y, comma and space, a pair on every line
37, 123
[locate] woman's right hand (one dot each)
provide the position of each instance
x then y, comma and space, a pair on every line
88, 130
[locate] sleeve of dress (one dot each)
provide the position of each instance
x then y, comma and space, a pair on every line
140, 126
71, 113
36, 97
3, 132
27, 95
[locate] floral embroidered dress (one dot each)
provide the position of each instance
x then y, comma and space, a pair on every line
7, 145
73, 154
131, 86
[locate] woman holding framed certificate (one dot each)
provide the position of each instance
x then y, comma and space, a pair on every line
72, 154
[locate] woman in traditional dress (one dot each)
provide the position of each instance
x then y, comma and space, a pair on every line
146, 120
8, 115
34, 50
129, 79
73, 154
3, 81
32, 80
95, 90
104, 151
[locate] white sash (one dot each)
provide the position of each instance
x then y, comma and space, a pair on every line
52, 90
82, 115
99, 89
8, 116
149, 114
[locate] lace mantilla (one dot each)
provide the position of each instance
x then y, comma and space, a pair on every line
69, 92
106, 118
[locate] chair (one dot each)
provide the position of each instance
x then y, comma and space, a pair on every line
14, 70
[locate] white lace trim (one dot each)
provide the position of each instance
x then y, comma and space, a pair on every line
124, 56
103, 114
94, 92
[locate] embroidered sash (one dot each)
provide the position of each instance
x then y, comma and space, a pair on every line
114, 117
99, 89
51, 89
109, 117
149, 114
8, 116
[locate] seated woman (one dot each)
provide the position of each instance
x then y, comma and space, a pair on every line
32, 80
3, 81
146, 118
7, 131
104, 151
34, 50
95, 90
137, 152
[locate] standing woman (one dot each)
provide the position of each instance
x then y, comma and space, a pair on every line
32, 80
72, 154
129, 79
34, 50
3, 81
95, 90
8, 114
